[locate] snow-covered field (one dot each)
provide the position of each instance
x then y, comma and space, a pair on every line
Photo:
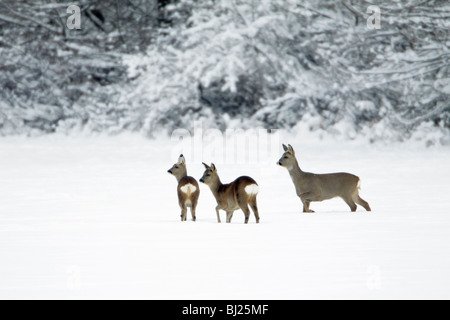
98, 218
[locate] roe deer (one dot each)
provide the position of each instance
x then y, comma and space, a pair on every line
318, 187
234, 196
188, 189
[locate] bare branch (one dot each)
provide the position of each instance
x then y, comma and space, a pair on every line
30, 19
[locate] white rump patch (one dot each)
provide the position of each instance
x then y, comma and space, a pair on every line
188, 188
252, 189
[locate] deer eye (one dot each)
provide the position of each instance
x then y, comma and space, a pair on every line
286, 157
176, 167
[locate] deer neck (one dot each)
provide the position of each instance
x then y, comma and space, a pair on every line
215, 187
182, 175
295, 171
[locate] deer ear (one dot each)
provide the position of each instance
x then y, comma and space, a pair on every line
206, 166
285, 148
181, 160
213, 167
291, 150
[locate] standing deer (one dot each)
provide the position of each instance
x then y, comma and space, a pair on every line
318, 187
234, 196
188, 189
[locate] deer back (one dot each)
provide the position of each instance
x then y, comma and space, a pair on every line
329, 185
188, 190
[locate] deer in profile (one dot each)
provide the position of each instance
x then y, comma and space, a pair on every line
188, 189
234, 196
313, 187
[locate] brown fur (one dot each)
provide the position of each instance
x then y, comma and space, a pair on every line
312, 187
233, 196
187, 197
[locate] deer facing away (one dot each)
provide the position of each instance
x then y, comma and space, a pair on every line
312, 187
234, 196
188, 189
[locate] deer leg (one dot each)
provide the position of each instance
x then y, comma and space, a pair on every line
306, 208
218, 214
307, 198
254, 206
351, 204
229, 216
362, 203
243, 204
194, 209
246, 213
306, 204
194, 218
183, 213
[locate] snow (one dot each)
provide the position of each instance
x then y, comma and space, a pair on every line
98, 218
443, 85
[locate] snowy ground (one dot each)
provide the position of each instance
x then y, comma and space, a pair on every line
98, 218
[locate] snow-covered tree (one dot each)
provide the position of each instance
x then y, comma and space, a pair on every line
154, 66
